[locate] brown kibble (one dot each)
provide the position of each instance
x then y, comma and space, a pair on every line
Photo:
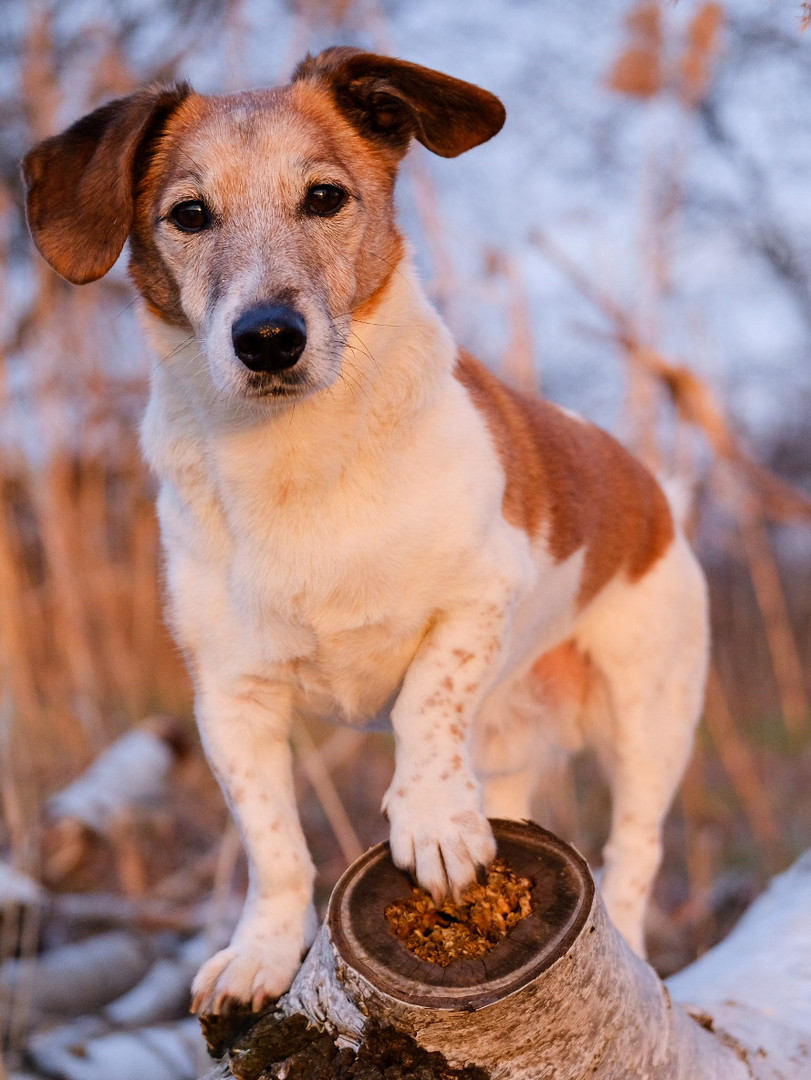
467, 930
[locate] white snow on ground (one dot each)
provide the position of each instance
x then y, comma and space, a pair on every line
765, 963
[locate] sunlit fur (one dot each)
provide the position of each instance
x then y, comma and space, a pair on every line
384, 529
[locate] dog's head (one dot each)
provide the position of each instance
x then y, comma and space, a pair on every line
259, 221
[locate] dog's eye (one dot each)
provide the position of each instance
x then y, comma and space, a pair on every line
325, 200
190, 216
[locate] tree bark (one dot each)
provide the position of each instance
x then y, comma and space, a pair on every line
561, 997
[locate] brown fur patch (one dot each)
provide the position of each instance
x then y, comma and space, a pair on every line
368, 307
150, 274
574, 480
79, 199
390, 101
214, 133
564, 673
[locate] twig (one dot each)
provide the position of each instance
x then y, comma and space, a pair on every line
698, 855
737, 760
518, 361
312, 765
771, 600
229, 852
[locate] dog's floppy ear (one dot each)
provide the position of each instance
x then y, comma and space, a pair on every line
80, 199
393, 101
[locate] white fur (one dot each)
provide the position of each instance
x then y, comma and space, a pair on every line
388, 574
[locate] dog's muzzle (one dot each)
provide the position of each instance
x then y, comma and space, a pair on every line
270, 337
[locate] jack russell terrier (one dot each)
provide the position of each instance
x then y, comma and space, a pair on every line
359, 519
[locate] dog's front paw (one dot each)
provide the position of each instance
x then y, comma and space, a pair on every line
257, 967
245, 974
440, 836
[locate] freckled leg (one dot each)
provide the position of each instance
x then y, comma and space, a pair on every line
434, 803
245, 733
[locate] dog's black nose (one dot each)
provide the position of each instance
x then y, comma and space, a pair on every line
270, 337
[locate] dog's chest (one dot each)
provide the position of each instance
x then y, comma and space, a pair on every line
327, 561
327, 583
333, 601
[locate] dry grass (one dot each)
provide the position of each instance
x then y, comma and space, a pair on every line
83, 650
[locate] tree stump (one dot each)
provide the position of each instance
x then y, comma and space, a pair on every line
562, 996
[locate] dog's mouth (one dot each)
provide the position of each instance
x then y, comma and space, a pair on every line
289, 385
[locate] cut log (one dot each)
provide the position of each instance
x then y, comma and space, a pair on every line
562, 996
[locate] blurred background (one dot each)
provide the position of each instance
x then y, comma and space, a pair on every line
635, 244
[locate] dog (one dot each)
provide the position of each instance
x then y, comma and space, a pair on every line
359, 520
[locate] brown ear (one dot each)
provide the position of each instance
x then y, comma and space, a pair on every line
392, 101
80, 183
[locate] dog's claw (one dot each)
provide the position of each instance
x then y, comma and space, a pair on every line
248, 974
444, 850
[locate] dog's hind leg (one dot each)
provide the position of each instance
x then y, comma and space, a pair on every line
649, 643
508, 775
528, 729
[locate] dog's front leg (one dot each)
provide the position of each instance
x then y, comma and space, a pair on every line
434, 803
245, 730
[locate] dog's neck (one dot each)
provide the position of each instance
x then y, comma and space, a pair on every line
398, 356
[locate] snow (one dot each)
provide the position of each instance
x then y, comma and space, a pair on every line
17, 888
765, 963
159, 1053
134, 771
